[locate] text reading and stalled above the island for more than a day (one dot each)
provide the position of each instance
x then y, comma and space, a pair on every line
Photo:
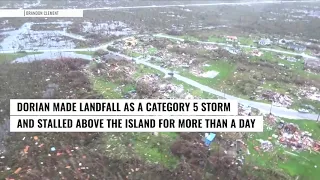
137, 124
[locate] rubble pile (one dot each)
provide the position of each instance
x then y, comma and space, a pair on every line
196, 71
312, 93
291, 136
164, 55
256, 52
271, 120
115, 69
265, 145
146, 38
147, 86
244, 111
171, 88
277, 98
210, 47
188, 96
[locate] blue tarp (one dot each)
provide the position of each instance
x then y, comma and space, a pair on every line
209, 139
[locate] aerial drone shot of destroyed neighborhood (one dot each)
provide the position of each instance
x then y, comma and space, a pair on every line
264, 54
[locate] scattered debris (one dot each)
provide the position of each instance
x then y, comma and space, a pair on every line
291, 59
291, 136
312, 64
233, 50
17, 170
265, 145
265, 42
277, 98
256, 52
312, 93
209, 138
271, 119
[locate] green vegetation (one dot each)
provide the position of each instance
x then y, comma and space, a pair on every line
224, 68
282, 159
153, 149
194, 91
152, 51
91, 53
280, 47
298, 104
189, 38
217, 39
277, 87
275, 58
246, 41
249, 72
142, 70
8, 57
309, 52
156, 149
134, 54
107, 89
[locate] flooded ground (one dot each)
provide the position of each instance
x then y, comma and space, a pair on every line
26, 39
110, 28
54, 43
60, 36
51, 55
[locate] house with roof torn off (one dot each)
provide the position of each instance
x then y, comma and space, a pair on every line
296, 47
312, 64
265, 42
231, 38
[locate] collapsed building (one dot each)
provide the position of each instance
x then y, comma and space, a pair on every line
130, 42
291, 136
312, 64
288, 135
148, 86
152, 86
256, 52
311, 93
277, 98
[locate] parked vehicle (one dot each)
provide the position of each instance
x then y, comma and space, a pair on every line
170, 73
303, 110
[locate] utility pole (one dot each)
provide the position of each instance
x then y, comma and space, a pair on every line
224, 93
271, 107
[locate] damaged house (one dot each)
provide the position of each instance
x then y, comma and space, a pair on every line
130, 42
291, 136
110, 56
296, 47
277, 98
312, 64
233, 50
146, 38
291, 59
265, 42
256, 52
231, 38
